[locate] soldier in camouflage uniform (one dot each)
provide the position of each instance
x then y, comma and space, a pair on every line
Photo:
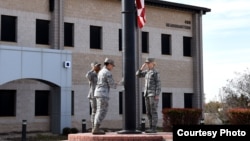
91, 75
104, 83
152, 91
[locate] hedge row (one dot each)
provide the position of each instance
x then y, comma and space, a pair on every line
180, 116
239, 116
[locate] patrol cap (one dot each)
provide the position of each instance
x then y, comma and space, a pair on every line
94, 64
110, 61
149, 60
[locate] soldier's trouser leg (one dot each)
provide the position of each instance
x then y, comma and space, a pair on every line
151, 108
102, 109
148, 111
93, 105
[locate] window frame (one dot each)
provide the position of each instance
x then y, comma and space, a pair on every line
120, 39
42, 31
188, 100
187, 46
166, 48
95, 37
42, 106
144, 42
167, 97
143, 104
121, 102
69, 34
8, 28
9, 101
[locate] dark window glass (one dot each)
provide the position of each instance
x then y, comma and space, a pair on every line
121, 102
166, 100
187, 46
188, 100
165, 44
7, 102
42, 32
8, 28
90, 109
120, 39
42, 103
144, 42
143, 104
72, 103
69, 34
51, 5
95, 37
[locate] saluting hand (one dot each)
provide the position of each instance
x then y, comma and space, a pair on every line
143, 66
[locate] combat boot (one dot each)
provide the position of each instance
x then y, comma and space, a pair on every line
151, 130
97, 131
150, 127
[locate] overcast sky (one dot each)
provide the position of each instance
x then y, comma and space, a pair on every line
226, 41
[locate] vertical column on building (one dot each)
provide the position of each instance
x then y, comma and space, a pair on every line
197, 53
57, 25
60, 109
60, 96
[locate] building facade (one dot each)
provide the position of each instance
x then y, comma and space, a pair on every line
47, 46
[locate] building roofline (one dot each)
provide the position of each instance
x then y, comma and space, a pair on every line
173, 5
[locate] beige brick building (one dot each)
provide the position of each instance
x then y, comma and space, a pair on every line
47, 46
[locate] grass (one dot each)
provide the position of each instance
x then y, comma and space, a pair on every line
45, 136
49, 137
39, 137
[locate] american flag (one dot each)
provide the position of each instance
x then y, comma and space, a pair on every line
141, 17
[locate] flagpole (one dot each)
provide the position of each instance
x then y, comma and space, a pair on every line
129, 67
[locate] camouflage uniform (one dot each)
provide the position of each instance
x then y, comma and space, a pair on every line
104, 83
152, 88
92, 77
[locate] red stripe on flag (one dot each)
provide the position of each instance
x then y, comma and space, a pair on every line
138, 4
141, 16
140, 22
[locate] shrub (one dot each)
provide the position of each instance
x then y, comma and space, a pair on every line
180, 116
239, 116
74, 130
68, 130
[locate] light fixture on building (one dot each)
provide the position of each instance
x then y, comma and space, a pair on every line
67, 64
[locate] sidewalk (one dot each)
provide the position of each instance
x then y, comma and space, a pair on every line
113, 136
47, 136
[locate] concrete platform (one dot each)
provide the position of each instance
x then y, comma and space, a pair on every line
113, 136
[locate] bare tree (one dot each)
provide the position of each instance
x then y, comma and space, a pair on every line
212, 107
237, 91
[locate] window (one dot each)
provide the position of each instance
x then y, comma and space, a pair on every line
51, 5
144, 42
188, 100
72, 103
166, 100
42, 32
8, 28
41, 103
95, 37
90, 109
165, 44
143, 104
7, 102
69, 34
187, 46
121, 102
120, 39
